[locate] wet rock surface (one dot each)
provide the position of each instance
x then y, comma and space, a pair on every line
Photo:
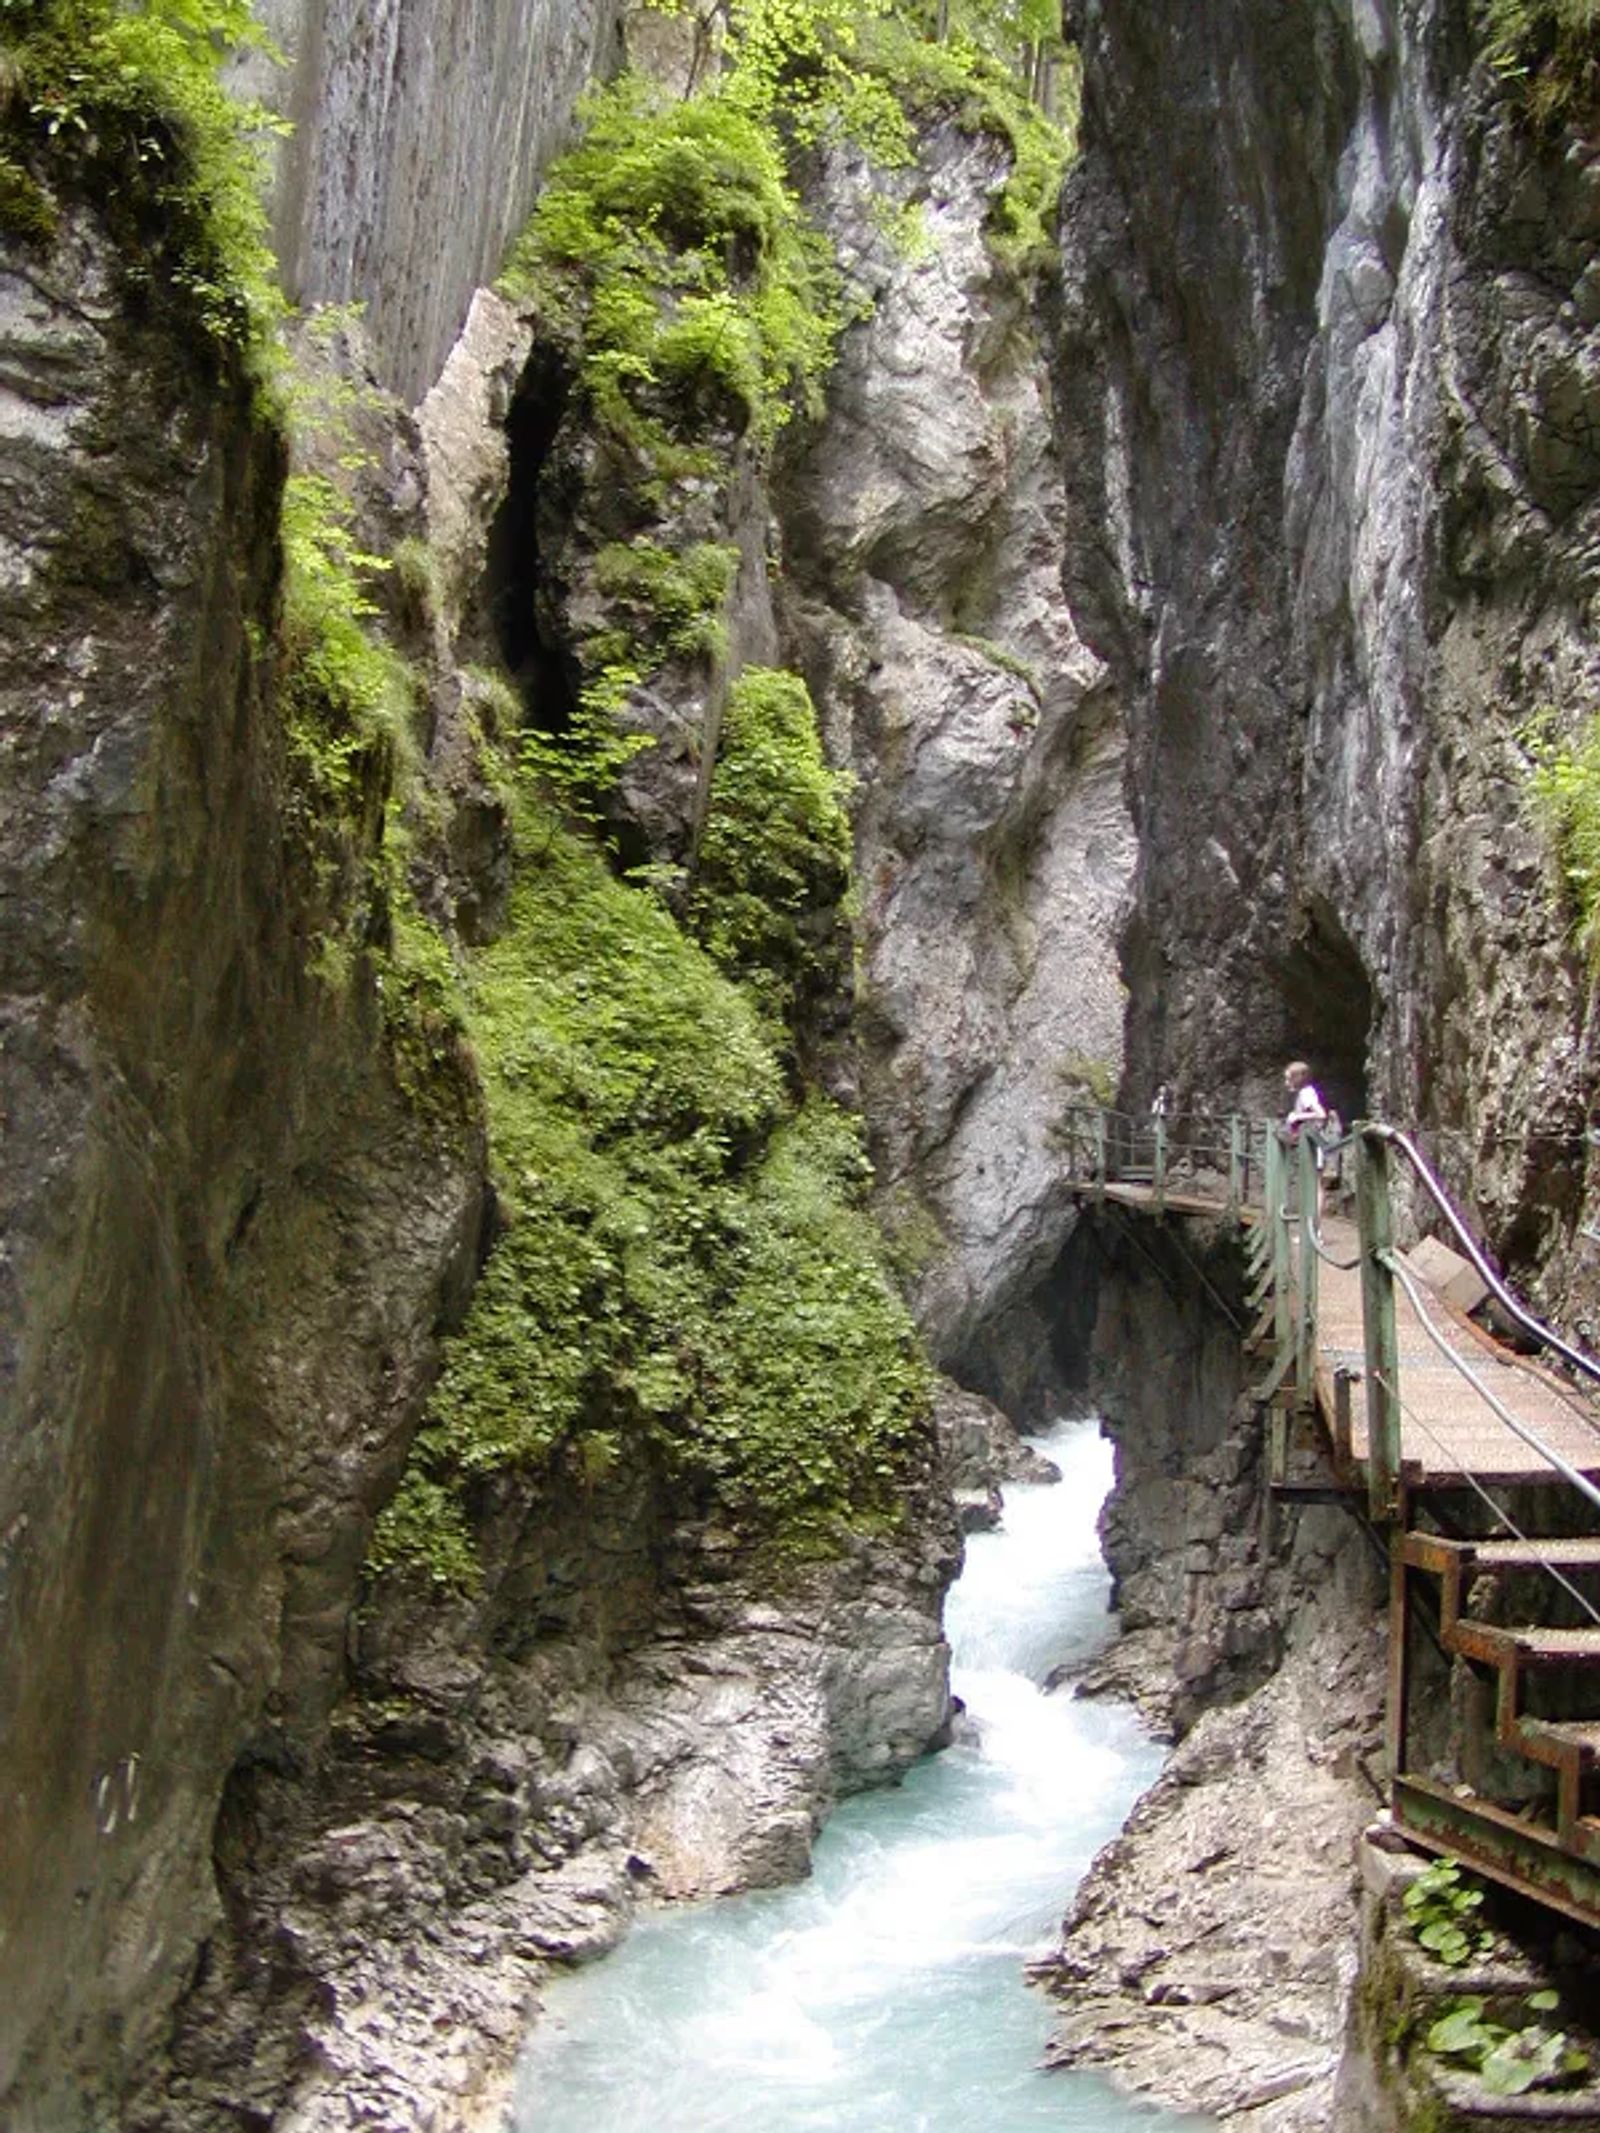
980, 1449
230, 1233
1210, 1953
1321, 342
495, 1799
1209, 1956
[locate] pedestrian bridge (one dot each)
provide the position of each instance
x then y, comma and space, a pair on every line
1477, 1466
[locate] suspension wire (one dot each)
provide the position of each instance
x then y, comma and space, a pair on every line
1125, 1228
1469, 1245
1531, 1438
1319, 1245
1501, 1513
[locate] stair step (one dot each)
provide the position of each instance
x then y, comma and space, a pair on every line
1437, 1552
1579, 1554
1532, 1642
1580, 1733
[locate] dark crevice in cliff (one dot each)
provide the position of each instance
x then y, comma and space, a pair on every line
1032, 1358
517, 593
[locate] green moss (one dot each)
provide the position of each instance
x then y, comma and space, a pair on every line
669, 251
348, 695
967, 79
126, 106
419, 582
1566, 793
1086, 1076
669, 245
420, 991
774, 860
673, 599
1009, 662
424, 1527
1547, 52
687, 1272
26, 209
913, 1234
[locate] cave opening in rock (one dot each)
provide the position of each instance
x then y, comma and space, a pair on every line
521, 597
1327, 1002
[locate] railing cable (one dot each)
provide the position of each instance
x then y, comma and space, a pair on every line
1319, 1246
1531, 1438
1470, 1248
1502, 1515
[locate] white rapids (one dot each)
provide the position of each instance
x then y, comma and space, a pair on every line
885, 1994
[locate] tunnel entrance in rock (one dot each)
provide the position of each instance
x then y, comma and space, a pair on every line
522, 599
1328, 1007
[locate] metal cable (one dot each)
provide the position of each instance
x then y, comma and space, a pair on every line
1469, 1245
1345, 1266
1531, 1438
1499, 1510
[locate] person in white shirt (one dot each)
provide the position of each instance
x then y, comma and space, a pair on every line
1306, 1107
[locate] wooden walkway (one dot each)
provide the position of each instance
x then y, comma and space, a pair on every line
1480, 1468
1449, 1429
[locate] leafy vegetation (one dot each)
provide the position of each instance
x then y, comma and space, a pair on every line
669, 244
687, 1274
1566, 790
774, 861
971, 77
127, 102
1441, 1909
347, 692
1509, 2059
674, 600
1548, 51
698, 305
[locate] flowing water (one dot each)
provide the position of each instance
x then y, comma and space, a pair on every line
885, 1994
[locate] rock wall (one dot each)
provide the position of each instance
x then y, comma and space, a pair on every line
419, 138
922, 597
1326, 390
1208, 1957
614, 1719
239, 1211
230, 1231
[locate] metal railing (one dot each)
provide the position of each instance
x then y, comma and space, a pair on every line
1196, 1152
1234, 1163
1382, 1270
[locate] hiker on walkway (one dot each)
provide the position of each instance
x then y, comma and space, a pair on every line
1306, 1107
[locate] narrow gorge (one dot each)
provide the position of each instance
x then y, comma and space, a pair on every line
640, 641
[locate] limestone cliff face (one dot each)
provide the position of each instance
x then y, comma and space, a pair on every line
229, 1231
614, 1716
1327, 391
418, 142
923, 597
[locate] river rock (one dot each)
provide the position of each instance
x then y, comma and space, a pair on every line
1208, 1957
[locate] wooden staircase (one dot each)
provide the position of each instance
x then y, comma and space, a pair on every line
1531, 1814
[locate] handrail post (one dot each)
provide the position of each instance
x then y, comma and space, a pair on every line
1306, 1352
1278, 1230
1375, 1220
1238, 1163
1100, 1158
1158, 1167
